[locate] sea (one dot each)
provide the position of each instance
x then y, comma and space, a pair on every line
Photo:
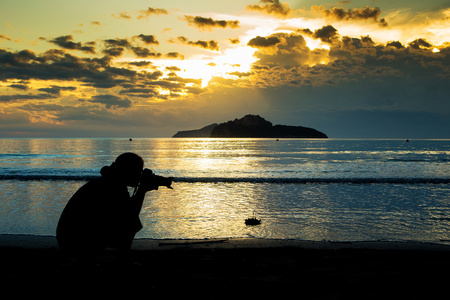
301, 189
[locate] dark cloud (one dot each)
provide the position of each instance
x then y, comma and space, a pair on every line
260, 41
173, 68
114, 51
56, 90
117, 43
395, 44
287, 51
291, 62
141, 92
66, 42
174, 55
145, 52
148, 39
111, 101
152, 11
22, 87
19, 97
326, 34
142, 63
234, 41
21, 68
420, 44
152, 76
240, 74
209, 23
273, 7
57, 65
366, 13
210, 45
13, 59
182, 39
116, 47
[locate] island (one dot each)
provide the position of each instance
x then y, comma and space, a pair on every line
250, 126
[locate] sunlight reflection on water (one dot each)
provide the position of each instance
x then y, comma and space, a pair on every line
288, 211
211, 208
298, 211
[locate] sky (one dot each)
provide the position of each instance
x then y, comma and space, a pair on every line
109, 68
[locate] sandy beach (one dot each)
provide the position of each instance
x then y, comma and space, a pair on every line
235, 269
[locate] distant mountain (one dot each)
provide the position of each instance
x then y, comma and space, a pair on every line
251, 126
204, 132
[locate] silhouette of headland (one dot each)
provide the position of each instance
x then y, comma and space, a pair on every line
251, 126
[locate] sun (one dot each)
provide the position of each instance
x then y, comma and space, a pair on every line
204, 67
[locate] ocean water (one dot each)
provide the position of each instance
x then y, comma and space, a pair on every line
309, 189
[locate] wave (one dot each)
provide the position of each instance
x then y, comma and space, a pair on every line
278, 180
319, 180
428, 160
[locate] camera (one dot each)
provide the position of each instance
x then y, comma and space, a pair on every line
151, 179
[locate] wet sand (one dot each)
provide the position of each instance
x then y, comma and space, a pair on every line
232, 269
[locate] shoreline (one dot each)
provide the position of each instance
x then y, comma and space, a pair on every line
144, 244
233, 269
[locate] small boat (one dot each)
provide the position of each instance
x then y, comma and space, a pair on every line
252, 221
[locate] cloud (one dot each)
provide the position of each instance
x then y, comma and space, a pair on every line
141, 92
9, 59
285, 59
4, 37
173, 68
148, 39
111, 101
273, 7
326, 34
395, 44
309, 68
240, 74
420, 44
145, 52
39, 85
57, 65
117, 43
66, 42
116, 47
152, 11
209, 45
341, 14
142, 63
260, 41
287, 51
209, 23
123, 15
114, 51
19, 97
56, 90
21, 87
234, 41
175, 55
88, 72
